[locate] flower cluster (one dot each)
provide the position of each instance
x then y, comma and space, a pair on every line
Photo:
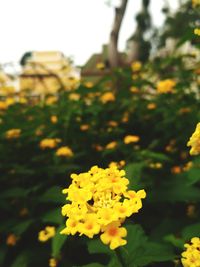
13, 133
107, 97
191, 257
47, 233
194, 141
166, 86
49, 143
131, 139
99, 202
64, 151
195, 3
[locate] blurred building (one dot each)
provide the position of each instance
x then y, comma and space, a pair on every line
47, 72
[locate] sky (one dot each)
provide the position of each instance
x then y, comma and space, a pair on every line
78, 28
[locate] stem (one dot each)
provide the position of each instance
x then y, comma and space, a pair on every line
120, 257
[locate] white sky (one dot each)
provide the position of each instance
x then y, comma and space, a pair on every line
78, 28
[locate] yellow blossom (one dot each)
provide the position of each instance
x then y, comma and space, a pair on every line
47, 233
84, 127
64, 151
99, 202
111, 145
3, 105
194, 141
156, 165
107, 97
100, 66
113, 235
131, 139
136, 66
74, 96
151, 106
49, 143
119, 164
52, 262
13, 133
51, 100
134, 90
11, 240
195, 3
197, 31
89, 84
191, 256
166, 86
54, 119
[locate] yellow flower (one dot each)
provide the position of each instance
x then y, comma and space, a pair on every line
47, 233
151, 106
197, 31
166, 86
54, 119
64, 151
49, 143
111, 145
100, 66
194, 141
156, 165
136, 66
131, 139
11, 240
74, 96
52, 262
119, 164
13, 133
3, 105
107, 97
51, 100
191, 256
84, 127
176, 170
98, 201
195, 3
113, 235
134, 90
89, 84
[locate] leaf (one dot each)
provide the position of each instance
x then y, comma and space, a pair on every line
14, 192
133, 173
57, 242
20, 261
53, 194
153, 252
191, 231
53, 216
177, 242
20, 228
193, 175
96, 246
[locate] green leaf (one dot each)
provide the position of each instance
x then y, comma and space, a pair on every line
193, 175
53, 194
57, 242
133, 173
177, 242
20, 228
53, 216
14, 192
96, 246
20, 261
190, 231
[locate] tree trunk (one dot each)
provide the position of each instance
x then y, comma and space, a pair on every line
113, 55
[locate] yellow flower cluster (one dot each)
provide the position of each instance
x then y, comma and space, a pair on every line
197, 31
13, 133
100, 202
52, 262
100, 66
47, 233
64, 151
194, 141
49, 143
136, 66
195, 3
131, 139
107, 97
191, 257
166, 86
54, 119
